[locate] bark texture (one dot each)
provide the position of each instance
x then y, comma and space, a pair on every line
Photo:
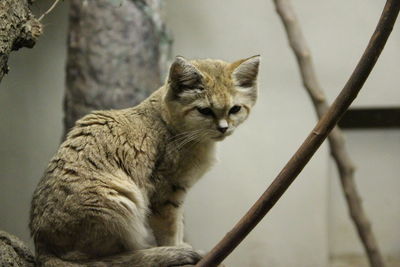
13, 252
18, 28
117, 53
336, 139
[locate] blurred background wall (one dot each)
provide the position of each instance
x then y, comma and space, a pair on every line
309, 225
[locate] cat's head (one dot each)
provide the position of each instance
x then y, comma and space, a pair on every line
209, 99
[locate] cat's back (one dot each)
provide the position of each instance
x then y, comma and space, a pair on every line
105, 149
107, 140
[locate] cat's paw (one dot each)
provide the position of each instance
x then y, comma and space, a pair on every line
203, 253
185, 245
184, 256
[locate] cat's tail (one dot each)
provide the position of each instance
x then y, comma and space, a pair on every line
152, 257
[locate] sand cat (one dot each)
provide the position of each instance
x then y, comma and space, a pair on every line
113, 193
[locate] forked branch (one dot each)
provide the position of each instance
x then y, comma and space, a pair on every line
312, 142
336, 140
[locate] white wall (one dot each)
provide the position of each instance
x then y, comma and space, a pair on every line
376, 154
338, 33
295, 233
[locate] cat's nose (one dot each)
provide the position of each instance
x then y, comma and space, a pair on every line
222, 129
222, 126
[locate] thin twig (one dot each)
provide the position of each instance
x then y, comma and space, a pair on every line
49, 10
312, 142
336, 140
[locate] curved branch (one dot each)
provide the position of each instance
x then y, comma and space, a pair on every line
336, 140
312, 142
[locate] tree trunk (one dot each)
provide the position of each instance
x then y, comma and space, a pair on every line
13, 252
18, 28
117, 51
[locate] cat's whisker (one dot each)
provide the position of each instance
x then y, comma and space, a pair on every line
184, 133
197, 138
200, 139
183, 136
186, 141
190, 138
178, 142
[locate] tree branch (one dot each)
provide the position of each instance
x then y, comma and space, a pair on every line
49, 10
336, 140
312, 142
18, 28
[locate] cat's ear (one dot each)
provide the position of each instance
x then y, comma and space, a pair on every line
245, 72
184, 77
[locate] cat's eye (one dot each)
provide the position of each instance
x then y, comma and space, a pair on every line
234, 109
206, 111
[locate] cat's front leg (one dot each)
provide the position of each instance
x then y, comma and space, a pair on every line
167, 223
